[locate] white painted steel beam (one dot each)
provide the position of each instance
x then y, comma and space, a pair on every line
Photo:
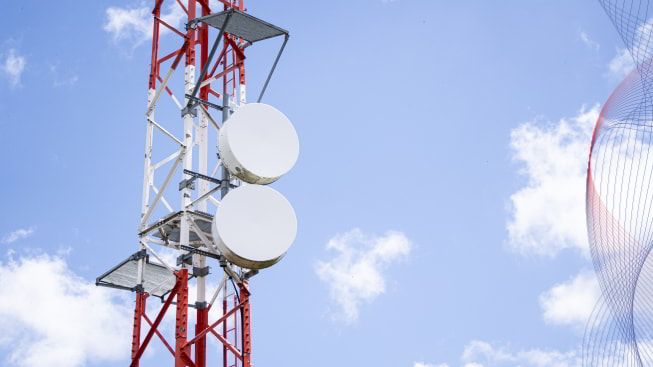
166, 132
147, 215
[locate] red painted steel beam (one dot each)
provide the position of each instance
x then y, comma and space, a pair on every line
200, 347
246, 325
237, 50
182, 6
226, 343
218, 61
154, 66
165, 342
190, 34
186, 359
157, 321
169, 56
216, 94
181, 324
181, 52
203, 35
205, 5
167, 89
157, 5
226, 71
157, 19
139, 311
212, 326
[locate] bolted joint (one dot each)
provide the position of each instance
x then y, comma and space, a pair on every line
139, 288
185, 259
139, 255
201, 305
189, 109
187, 184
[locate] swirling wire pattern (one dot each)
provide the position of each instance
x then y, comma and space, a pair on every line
620, 204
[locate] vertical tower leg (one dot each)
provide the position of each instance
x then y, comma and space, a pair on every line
246, 328
181, 326
139, 309
200, 346
224, 328
202, 310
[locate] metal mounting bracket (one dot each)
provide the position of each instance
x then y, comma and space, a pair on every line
195, 101
201, 272
187, 184
185, 259
139, 255
200, 252
202, 177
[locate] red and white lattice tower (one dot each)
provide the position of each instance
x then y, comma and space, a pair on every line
212, 51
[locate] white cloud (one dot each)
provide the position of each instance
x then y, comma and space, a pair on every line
59, 81
17, 235
571, 302
585, 38
12, 67
134, 25
548, 213
480, 353
621, 65
51, 317
483, 354
355, 275
131, 24
422, 364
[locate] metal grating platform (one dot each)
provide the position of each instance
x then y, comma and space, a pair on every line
172, 227
157, 279
242, 25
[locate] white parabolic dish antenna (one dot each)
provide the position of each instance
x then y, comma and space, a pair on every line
254, 226
258, 144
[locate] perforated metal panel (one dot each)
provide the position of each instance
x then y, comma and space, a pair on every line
172, 227
157, 279
243, 25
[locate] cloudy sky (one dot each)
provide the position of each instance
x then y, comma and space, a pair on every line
439, 190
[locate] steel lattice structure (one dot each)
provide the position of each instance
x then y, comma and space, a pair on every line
620, 203
220, 86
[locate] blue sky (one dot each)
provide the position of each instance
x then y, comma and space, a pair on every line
454, 135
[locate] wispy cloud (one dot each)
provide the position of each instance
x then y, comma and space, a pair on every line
17, 235
133, 25
74, 323
585, 38
480, 353
128, 24
620, 65
62, 81
355, 274
422, 364
12, 66
571, 302
483, 354
548, 212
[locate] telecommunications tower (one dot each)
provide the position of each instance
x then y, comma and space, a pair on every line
227, 217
